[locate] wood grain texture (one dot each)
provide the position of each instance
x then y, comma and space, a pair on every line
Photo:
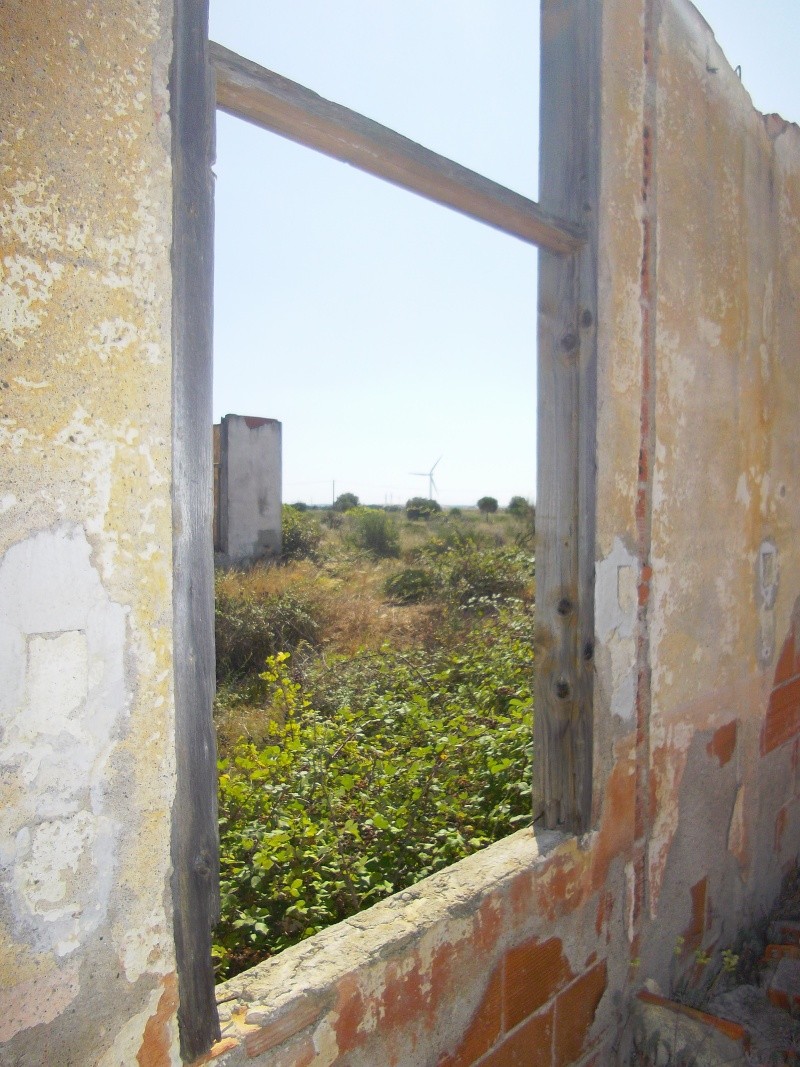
567, 357
195, 847
249, 91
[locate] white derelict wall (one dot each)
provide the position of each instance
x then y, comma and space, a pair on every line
247, 489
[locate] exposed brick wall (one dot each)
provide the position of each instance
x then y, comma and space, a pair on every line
782, 722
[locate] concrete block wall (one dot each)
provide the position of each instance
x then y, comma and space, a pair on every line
528, 952
247, 504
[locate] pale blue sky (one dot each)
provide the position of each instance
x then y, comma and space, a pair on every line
384, 331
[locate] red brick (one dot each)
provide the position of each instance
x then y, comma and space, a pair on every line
733, 1031
574, 1014
351, 1010
530, 1045
779, 952
782, 721
298, 1054
788, 664
695, 931
484, 1029
781, 820
618, 821
723, 743
403, 1000
227, 1044
535, 972
785, 931
275, 1033
784, 986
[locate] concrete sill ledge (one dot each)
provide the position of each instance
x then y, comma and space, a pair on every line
275, 999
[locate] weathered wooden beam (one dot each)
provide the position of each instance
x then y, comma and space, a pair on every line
567, 360
249, 91
195, 849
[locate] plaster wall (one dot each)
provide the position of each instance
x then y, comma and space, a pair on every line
86, 704
249, 499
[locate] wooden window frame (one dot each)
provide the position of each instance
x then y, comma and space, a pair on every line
563, 225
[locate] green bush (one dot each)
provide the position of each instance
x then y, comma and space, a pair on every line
420, 507
470, 573
301, 533
375, 532
248, 630
419, 762
345, 502
410, 585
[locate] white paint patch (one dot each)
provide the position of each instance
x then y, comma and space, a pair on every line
710, 332
62, 659
616, 584
742, 491
111, 336
767, 580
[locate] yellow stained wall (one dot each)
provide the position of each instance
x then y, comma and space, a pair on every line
86, 711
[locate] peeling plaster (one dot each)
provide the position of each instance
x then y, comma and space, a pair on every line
767, 579
62, 651
616, 579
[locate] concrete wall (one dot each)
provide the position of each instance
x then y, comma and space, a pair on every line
528, 952
249, 500
86, 703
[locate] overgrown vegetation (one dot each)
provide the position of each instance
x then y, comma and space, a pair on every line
374, 716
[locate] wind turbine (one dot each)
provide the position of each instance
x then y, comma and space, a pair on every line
429, 476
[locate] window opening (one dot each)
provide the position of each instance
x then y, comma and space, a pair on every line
565, 497
408, 682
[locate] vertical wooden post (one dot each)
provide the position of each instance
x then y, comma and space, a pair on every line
565, 503
195, 848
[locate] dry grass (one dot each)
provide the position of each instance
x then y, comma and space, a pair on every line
346, 597
348, 600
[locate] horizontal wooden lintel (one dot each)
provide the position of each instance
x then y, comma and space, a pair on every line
251, 92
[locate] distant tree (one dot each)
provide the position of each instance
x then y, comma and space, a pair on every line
345, 501
487, 505
299, 506
419, 507
519, 507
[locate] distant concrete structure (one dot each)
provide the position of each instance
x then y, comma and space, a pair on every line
247, 489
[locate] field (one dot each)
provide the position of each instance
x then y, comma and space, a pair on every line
374, 714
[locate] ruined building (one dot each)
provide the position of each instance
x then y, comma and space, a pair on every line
668, 512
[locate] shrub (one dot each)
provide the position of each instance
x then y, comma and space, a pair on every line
471, 573
345, 502
248, 630
339, 809
419, 507
519, 507
301, 533
375, 532
410, 585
